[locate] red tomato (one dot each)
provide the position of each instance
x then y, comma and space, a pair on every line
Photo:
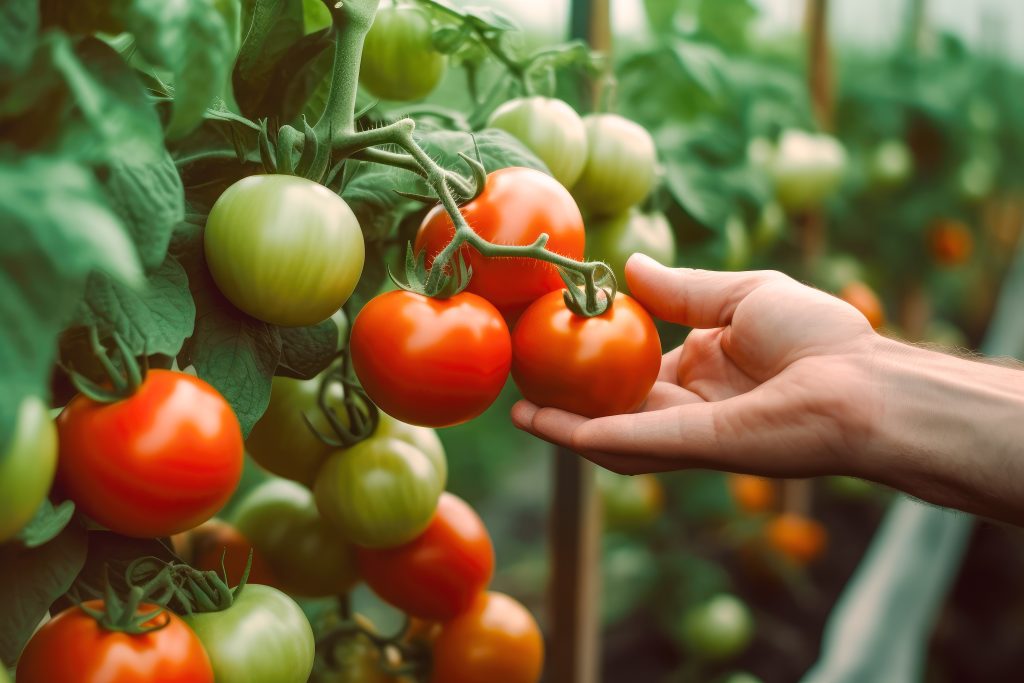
951, 242
73, 648
431, 362
517, 205
157, 463
437, 575
604, 365
497, 639
214, 541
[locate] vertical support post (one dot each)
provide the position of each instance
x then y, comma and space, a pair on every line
574, 599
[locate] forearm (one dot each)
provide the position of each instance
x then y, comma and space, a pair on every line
950, 430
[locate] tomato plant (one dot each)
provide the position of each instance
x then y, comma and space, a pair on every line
216, 545
615, 238
807, 168
516, 207
621, 165
720, 628
380, 493
603, 365
307, 556
399, 60
438, 574
74, 648
496, 639
630, 503
27, 466
284, 249
263, 637
126, 463
551, 129
799, 539
431, 362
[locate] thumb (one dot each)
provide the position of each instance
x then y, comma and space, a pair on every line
695, 298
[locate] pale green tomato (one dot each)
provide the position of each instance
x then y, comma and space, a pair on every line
719, 628
807, 169
380, 493
615, 238
399, 60
551, 129
741, 677
976, 179
891, 164
307, 556
737, 244
284, 249
27, 466
621, 167
281, 442
837, 271
423, 438
263, 637
771, 226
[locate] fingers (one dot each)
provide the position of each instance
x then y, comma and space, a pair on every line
667, 395
670, 365
705, 369
696, 298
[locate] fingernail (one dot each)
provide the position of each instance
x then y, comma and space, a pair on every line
522, 414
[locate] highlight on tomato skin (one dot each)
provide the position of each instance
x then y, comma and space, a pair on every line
431, 362
517, 206
597, 366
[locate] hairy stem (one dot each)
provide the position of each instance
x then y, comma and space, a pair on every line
352, 20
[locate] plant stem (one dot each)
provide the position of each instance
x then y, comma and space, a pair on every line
352, 20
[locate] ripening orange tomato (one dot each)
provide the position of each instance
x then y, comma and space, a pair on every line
864, 299
752, 494
798, 538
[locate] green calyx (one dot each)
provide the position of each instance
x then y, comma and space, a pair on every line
123, 383
278, 151
595, 295
182, 588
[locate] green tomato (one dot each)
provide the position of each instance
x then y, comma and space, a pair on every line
423, 438
263, 637
771, 226
380, 493
890, 165
621, 168
718, 629
27, 466
850, 487
399, 60
736, 242
615, 238
284, 249
281, 442
551, 129
630, 503
807, 169
307, 556
741, 677
976, 179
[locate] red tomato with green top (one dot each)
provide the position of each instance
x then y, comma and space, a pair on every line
157, 463
517, 206
74, 648
604, 365
431, 362
437, 575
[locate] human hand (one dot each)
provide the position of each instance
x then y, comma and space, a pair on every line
774, 380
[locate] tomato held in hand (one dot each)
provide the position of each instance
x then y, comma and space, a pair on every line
263, 637
496, 639
551, 129
604, 365
431, 362
284, 249
621, 167
307, 556
615, 238
516, 207
73, 648
399, 61
27, 466
437, 575
159, 462
380, 493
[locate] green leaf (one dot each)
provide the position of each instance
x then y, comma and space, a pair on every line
315, 16
490, 18
155, 317
661, 15
109, 555
150, 200
727, 22
698, 190
47, 523
497, 149
31, 579
307, 351
371, 193
19, 23
57, 229
702, 63
276, 26
192, 40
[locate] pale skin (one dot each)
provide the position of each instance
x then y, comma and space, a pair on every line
783, 380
